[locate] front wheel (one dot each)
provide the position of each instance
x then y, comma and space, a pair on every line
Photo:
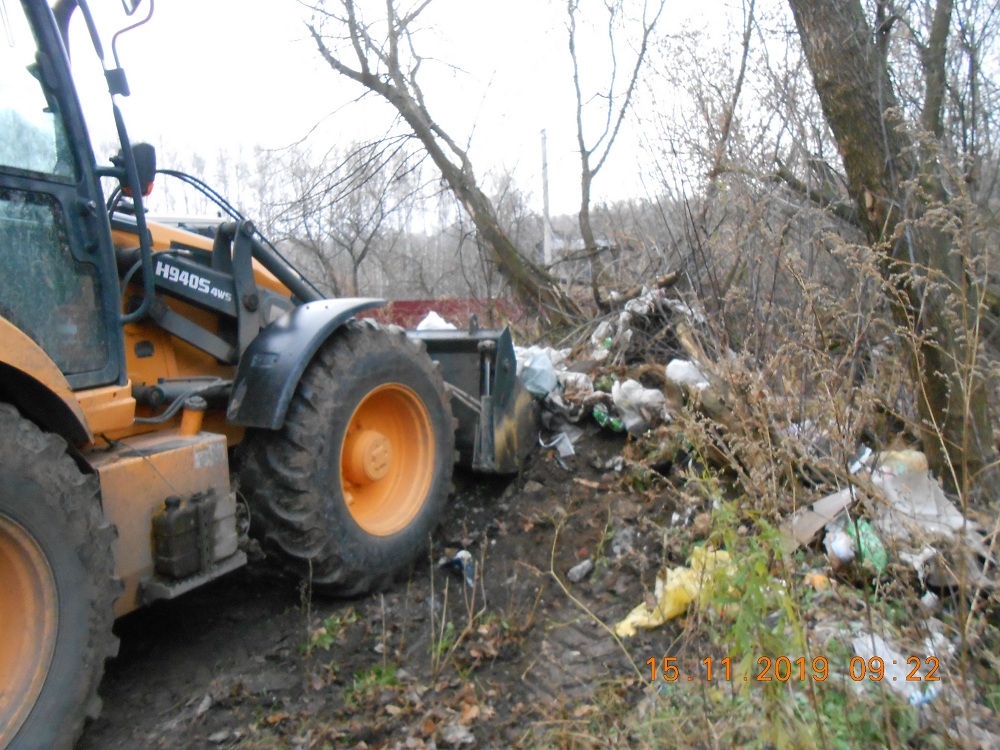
347, 492
56, 590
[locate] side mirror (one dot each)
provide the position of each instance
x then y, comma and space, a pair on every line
144, 155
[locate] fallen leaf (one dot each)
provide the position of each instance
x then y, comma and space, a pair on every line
469, 714
277, 718
818, 581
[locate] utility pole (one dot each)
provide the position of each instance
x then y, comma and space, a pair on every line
547, 233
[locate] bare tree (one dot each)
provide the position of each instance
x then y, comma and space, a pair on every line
387, 65
895, 179
342, 210
306, 221
615, 104
378, 190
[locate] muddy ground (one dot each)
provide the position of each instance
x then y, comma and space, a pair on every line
522, 658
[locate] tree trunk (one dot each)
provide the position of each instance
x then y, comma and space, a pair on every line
926, 282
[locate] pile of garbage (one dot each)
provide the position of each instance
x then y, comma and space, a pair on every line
645, 366
610, 379
881, 517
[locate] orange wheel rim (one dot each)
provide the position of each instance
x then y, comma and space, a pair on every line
28, 623
387, 459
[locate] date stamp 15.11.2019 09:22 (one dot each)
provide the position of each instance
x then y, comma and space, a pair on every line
785, 668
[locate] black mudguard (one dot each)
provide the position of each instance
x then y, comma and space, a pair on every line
270, 368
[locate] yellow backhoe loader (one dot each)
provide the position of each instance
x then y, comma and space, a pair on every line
142, 366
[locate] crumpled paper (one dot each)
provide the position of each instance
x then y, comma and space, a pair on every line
676, 588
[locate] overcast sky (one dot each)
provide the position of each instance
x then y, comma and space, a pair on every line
211, 74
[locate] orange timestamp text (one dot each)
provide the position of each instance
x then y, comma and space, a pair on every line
784, 668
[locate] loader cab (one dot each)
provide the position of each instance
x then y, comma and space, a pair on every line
58, 278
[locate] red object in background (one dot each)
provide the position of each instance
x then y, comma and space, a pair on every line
407, 313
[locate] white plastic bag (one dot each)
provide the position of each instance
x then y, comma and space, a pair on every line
536, 371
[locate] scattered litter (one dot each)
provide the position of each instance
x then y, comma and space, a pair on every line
676, 588
868, 543
918, 507
604, 419
687, 373
462, 563
641, 306
681, 309
898, 668
869, 645
434, 322
557, 412
840, 546
537, 373
639, 407
937, 642
861, 461
918, 503
807, 522
580, 571
561, 442
911, 510
615, 463
930, 602
575, 383
557, 357
601, 340
918, 560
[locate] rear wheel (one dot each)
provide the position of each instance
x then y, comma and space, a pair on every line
56, 589
348, 491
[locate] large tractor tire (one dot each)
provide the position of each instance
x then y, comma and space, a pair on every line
347, 493
56, 590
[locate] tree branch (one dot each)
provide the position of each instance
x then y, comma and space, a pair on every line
843, 210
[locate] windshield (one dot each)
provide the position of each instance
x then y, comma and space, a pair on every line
88, 76
31, 133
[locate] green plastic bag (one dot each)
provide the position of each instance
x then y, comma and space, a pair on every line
869, 545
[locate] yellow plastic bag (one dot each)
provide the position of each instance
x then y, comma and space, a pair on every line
675, 589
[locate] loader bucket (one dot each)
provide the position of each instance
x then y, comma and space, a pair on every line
497, 417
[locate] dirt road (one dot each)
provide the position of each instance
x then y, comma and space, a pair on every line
506, 655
